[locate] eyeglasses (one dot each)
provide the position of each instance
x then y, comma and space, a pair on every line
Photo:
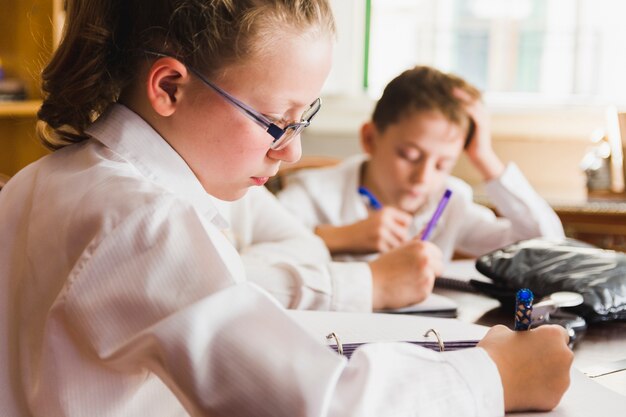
282, 135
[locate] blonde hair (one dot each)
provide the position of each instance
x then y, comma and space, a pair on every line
104, 42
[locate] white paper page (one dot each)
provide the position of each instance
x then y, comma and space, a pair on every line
375, 327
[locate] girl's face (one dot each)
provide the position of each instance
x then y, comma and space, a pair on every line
226, 150
411, 159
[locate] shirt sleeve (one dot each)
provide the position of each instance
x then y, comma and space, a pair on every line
296, 198
158, 294
292, 263
516, 199
523, 215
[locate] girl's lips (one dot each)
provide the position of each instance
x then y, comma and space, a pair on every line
259, 180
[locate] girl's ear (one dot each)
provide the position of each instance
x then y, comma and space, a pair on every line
368, 137
165, 79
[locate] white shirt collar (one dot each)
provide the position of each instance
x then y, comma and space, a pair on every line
127, 134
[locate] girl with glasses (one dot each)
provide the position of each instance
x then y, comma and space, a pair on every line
119, 293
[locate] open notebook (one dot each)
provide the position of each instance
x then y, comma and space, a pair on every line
584, 398
357, 328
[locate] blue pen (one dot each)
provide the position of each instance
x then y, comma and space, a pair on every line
523, 309
373, 202
433, 221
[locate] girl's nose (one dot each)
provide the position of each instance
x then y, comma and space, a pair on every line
290, 153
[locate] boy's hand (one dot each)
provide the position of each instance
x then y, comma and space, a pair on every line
382, 231
405, 275
534, 365
479, 147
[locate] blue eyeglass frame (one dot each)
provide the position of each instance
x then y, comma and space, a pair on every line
270, 127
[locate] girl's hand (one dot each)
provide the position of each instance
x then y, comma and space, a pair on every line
479, 146
534, 365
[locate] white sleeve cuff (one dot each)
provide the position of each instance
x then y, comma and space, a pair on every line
352, 286
481, 375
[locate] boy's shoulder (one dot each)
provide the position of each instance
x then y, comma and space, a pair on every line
326, 176
460, 188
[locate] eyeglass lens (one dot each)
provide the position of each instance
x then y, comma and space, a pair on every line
295, 129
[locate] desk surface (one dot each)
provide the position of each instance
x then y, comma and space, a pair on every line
603, 342
582, 205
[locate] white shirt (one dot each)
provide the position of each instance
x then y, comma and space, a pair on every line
329, 196
291, 262
120, 296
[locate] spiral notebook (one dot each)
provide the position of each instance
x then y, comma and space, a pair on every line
351, 330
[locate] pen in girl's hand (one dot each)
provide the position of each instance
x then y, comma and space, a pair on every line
523, 309
433, 221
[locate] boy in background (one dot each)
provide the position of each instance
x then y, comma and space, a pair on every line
420, 126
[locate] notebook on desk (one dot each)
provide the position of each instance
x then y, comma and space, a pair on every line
457, 275
346, 332
434, 305
584, 397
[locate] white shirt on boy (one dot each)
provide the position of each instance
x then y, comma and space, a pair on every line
329, 196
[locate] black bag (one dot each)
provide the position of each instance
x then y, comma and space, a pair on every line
547, 266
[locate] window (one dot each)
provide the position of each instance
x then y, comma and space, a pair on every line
535, 51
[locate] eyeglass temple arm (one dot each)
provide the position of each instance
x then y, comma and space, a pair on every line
275, 131
271, 128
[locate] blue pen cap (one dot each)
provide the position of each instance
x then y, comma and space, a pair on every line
525, 296
523, 309
371, 200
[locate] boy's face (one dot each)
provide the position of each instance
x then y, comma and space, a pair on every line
412, 158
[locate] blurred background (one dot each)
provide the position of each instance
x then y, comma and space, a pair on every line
552, 73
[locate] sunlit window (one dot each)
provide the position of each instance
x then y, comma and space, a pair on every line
540, 51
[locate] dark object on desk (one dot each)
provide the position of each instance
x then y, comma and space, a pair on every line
434, 305
575, 325
455, 284
547, 266
347, 349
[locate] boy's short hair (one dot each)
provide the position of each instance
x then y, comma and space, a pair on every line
421, 89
